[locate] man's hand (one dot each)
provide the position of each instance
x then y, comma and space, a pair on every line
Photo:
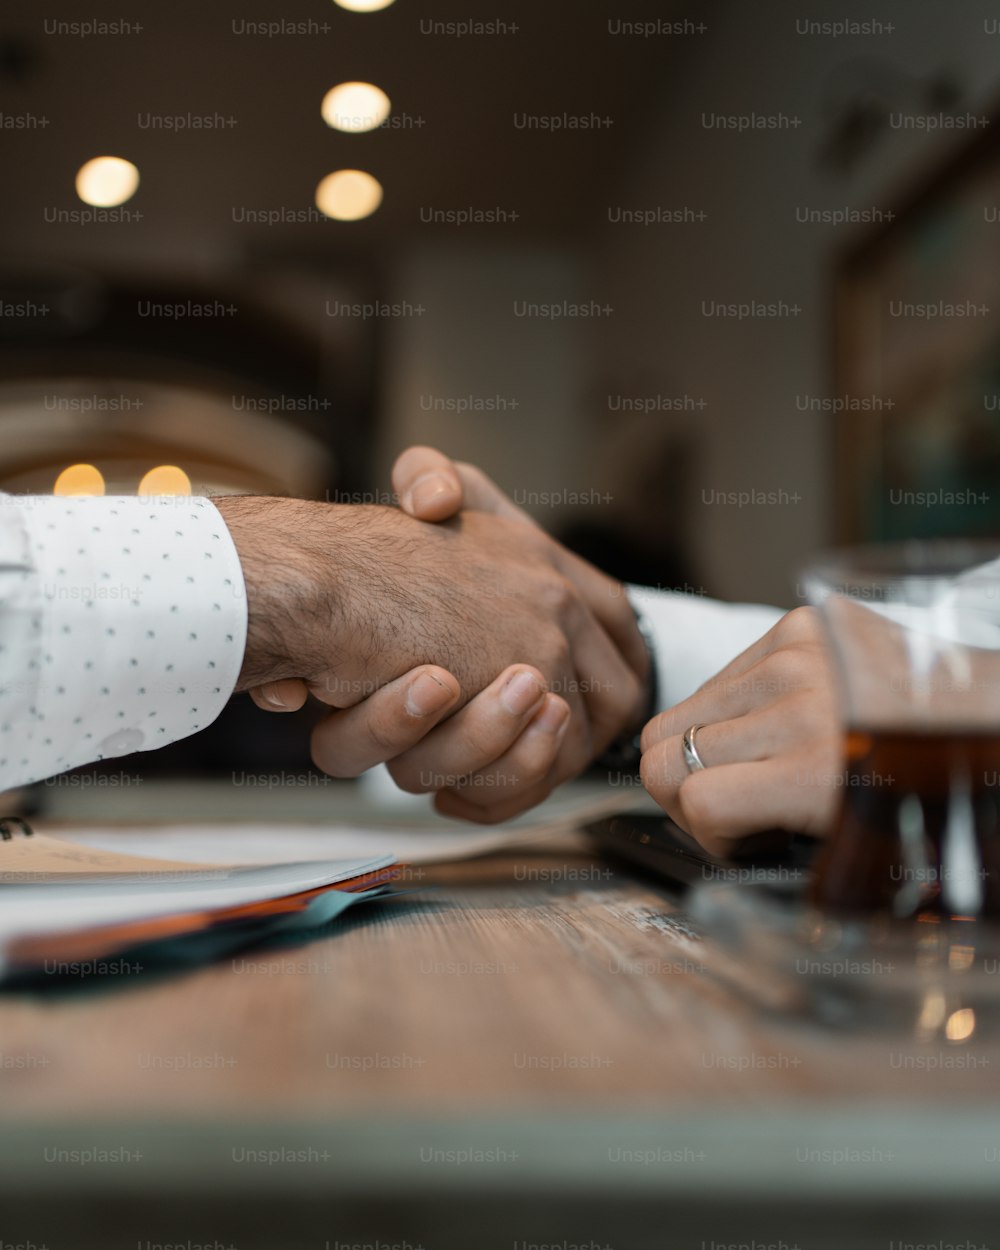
351, 598
771, 742
496, 784
432, 487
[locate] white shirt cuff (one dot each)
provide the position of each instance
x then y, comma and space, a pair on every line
142, 616
695, 637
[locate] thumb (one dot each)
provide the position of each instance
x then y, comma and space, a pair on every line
433, 487
287, 695
428, 484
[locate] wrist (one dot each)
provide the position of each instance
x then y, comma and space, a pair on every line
625, 752
290, 584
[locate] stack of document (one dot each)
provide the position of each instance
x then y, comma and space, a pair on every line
67, 908
75, 900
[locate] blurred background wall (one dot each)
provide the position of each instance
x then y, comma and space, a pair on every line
725, 398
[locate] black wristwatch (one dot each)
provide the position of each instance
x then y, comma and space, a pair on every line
624, 754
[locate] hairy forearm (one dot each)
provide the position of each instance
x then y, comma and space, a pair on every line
290, 590
349, 598
325, 592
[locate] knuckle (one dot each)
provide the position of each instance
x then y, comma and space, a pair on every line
557, 651
655, 730
489, 815
653, 768
610, 713
328, 757
788, 668
497, 813
798, 625
624, 694
530, 766
407, 778
484, 789
662, 770
619, 608
558, 595
381, 737
457, 805
698, 806
483, 743
538, 794
647, 771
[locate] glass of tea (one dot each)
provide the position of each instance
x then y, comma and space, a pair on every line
915, 635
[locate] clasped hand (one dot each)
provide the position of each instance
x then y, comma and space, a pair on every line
484, 662
479, 658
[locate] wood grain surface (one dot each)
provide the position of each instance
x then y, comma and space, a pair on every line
536, 978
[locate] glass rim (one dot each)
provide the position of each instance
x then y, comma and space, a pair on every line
911, 560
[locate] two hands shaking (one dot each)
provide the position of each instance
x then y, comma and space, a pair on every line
416, 635
413, 626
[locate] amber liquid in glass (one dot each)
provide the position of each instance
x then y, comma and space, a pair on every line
918, 832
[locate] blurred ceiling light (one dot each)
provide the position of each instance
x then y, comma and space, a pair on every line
348, 195
363, 6
78, 480
165, 479
106, 181
355, 107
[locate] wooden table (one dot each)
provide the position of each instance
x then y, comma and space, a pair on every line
530, 1048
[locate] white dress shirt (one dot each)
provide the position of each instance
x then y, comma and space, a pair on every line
694, 637
123, 625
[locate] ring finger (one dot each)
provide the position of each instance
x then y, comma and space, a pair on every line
747, 739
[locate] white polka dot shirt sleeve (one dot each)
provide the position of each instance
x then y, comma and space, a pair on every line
122, 627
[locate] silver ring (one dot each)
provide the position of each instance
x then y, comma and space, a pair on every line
692, 759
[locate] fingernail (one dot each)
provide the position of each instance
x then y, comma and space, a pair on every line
425, 492
521, 693
269, 696
552, 717
426, 695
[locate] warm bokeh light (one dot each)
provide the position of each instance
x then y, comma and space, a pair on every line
355, 107
363, 6
106, 181
348, 195
165, 479
79, 480
961, 1025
